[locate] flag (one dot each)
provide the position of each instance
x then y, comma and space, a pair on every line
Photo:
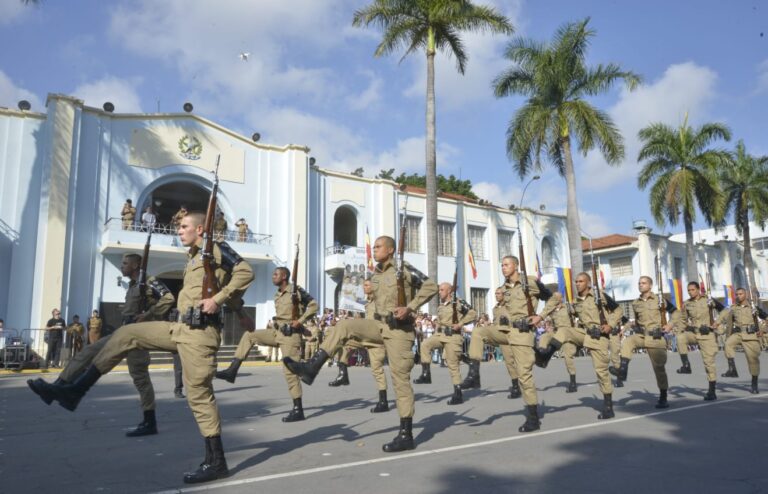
730, 296
537, 269
676, 292
471, 258
602, 277
565, 283
702, 285
368, 252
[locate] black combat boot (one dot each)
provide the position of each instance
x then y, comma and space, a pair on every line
457, 398
382, 405
342, 379
425, 377
731, 372
623, 369
147, 427
532, 423
514, 390
619, 382
214, 466
662, 403
753, 389
308, 370
404, 439
544, 356
472, 381
69, 395
686, 368
607, 412
297, 413
178, 393
572, 388
710, 396
230, 373
42, 389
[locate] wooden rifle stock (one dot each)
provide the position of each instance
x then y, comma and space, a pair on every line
454, 298
752, 305
143, 299
524, 276
662, 311
295, 299
210, 283
599, 296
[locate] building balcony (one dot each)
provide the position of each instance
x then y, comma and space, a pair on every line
339, 257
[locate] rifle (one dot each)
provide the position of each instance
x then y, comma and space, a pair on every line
662, 312
752, 304
454, 298
143, 299
523, 272
295, 298
710, 300
598, 295
210, 283
400, 273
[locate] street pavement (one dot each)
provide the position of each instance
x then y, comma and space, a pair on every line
694, 446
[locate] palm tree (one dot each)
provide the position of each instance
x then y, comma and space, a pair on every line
745, 187
684, 174
430, 25
556, 80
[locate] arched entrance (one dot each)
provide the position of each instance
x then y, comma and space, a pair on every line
168, 198
345, 227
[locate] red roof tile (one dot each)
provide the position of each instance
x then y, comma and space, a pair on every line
613, 240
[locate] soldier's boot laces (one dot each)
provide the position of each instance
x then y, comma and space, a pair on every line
147, 427
404, 439
607, 412
69, 395
425, 377
711, 396
753, 389
297, 412
514, 390
662, 403
472, 381
382, 405
532, 422
43, 389
623, 370
342, 378
731, 372
544, 356
308, 370
572, 388
213, 467
457, 398
230, 373
686, 368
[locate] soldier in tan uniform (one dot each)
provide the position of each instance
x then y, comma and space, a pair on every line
312, 342
565, 334
219, 227
649, 334
160, 301
448, 339
698, 324
614, 344
74, 337
127, 214
391, 326
743, 332
196, 337
285, 334
94, 328
685, 335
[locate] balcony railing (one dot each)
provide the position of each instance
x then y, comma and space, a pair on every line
116, 224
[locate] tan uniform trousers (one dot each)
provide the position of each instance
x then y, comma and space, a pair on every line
708, 349
93, 336
138, 368
598, 350
376, 355
290, 346
657, 354
751, 347
397, 344
310, 348
614, 343
197, 349
522, 352
451, 347
684, 339
567, 350
495, 336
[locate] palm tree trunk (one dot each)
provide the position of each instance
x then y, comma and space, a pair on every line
572, 209
690, 255
431, 172
748, 266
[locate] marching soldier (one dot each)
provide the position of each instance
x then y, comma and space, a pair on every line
391, 326
74, 337
160, 302
448, 339
285, 334
566, 337
685, 335
94, 328
697, 316
196, 337
312, 342
495, 334
614, 344
744, 333
127, 214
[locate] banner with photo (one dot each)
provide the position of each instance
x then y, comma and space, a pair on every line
352, 296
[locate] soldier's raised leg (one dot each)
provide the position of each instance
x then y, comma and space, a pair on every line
247, 341
628, 348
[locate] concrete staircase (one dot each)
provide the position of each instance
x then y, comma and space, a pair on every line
225, 355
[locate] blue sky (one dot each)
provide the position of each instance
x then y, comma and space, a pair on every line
312, 79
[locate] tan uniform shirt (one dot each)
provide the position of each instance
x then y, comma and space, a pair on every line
499, 311
419, 289
94, 325
739, 316
515, 301
589, 313
697, 312
465, 313
284, 306
159, 300
370, 309
128, 213
558, 312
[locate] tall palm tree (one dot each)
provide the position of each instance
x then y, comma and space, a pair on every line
745, 187
683, 171
430, 25
556, 80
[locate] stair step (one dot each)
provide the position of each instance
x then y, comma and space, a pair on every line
225, 354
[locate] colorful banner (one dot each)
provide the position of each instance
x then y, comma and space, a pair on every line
676, 292
730, 295
368, 251
471, 257
565, 283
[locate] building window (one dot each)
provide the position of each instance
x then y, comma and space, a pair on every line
412, 235
627, 308
477, 241
621, 266
505, 244
547, 256
445, 239
760, 243
677, 268
479, 299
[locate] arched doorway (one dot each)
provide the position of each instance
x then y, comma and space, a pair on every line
345, 227
168, 198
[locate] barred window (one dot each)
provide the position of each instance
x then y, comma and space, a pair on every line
505, 244
445, 239
412, 234
760, 243
477, 241
479, 299
621, 266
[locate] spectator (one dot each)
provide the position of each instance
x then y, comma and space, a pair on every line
73, 342
148, 220
94, 328
53, 336
127, 214
242, 230
219, 227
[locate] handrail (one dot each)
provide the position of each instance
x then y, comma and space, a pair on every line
116, 224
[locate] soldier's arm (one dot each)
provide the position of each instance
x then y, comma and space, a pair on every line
551, 305
311, 306
614, 316
427, 289
241, 274
469, 315
724, 317
161, 299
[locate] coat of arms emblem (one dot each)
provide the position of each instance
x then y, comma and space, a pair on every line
190, 147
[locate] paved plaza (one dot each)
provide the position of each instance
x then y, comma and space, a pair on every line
694, 446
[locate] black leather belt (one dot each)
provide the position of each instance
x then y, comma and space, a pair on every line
656, 334
747, 329
195, 318
523, 325
701, 330
615, 331
596, 333
389, 319
690, 329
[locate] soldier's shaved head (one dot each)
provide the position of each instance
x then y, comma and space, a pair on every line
513, 259
388, 241
584, 274
135, 258
648, 279
446, 285
196, 217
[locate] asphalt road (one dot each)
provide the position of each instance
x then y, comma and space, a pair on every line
694, 446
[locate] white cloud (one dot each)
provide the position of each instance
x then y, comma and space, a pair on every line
11, 94
10, 10
594, 224
762, 77
369, 97
685, 87
122, 93
499, 195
